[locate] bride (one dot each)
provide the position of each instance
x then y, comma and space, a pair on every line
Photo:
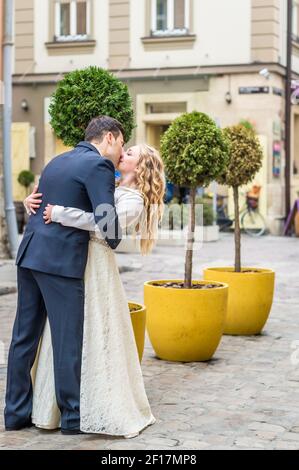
113, 400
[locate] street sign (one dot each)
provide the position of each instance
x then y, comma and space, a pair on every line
249, 90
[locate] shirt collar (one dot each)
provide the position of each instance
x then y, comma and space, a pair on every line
89, 146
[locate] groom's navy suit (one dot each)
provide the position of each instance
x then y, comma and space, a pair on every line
51, 262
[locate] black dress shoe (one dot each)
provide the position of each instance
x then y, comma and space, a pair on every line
71, 432
19, 427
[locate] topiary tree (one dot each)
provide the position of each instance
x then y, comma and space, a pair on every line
244, 162
26, 178
195, 152
84, 94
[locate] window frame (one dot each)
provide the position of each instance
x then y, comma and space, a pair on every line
73, 36
295, 25
170, 31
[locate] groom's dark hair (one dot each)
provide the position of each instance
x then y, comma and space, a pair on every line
99, 126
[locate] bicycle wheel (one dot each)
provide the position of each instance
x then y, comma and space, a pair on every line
253, 223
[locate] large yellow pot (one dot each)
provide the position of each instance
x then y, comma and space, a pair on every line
138, 317
249, 300
185, 325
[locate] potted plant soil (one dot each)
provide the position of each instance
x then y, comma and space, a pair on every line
250, 288
185, 318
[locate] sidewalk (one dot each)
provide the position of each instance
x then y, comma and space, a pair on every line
247, 397
8, 277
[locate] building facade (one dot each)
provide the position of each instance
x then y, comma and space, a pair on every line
223, 57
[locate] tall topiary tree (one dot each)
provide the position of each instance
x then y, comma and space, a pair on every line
195, 152
84, 94
245, 160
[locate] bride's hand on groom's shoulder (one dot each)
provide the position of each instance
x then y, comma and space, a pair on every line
33, 201
48, 214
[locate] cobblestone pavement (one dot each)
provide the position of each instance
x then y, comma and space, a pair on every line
246, 397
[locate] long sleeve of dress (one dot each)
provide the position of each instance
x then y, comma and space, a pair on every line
128, 204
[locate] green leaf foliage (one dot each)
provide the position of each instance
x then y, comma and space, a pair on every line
84, 94
245, 157
25, 178
194, 150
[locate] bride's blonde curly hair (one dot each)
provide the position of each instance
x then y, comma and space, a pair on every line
150, 181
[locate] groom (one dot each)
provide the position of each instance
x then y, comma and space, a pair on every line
51, 261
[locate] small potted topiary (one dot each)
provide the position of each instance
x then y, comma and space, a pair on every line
84, 94
25, 179
250, 288
185, 318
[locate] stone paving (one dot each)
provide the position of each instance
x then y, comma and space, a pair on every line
246, 397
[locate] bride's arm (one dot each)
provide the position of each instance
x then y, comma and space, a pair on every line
128, 207
72, 217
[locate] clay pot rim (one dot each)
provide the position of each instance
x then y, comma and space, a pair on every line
219, 284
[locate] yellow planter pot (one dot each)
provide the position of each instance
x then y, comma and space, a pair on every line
249, 300
138, 318
185, 325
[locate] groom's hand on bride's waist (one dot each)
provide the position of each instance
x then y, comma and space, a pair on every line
48, 214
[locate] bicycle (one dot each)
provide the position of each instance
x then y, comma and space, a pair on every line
252, 221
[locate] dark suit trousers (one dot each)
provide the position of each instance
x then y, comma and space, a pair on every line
62, 299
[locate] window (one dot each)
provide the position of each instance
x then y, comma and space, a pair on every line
72, 20
170, 17
296, 20
158, 108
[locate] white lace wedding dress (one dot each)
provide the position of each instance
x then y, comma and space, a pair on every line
113, 400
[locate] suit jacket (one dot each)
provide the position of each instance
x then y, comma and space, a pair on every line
80, 178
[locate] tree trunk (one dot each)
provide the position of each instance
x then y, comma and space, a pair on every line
190, 242
237, 231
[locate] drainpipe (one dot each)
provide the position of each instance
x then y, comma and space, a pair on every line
288, 80
10, 211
